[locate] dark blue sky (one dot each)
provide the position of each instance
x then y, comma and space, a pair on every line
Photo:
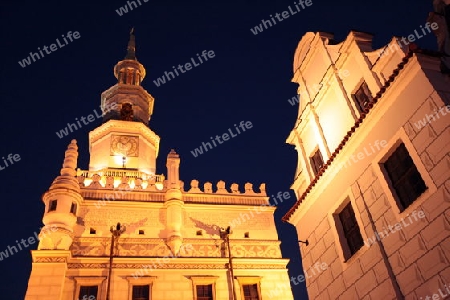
247, 80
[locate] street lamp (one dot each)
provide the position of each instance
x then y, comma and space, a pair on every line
115, 233
225, 235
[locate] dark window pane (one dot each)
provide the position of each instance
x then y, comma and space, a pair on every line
204, 292
351, 229
141, 292
250, 291
73, 208
88, 292
316, 161
52, 205
362, 97
404, 176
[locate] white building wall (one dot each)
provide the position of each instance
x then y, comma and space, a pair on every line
419, 253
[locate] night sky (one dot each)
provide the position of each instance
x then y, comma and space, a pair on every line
249, 79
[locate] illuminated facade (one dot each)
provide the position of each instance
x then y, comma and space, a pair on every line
372, 180
172, 242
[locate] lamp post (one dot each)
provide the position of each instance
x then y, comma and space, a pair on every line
115, 233
225, 235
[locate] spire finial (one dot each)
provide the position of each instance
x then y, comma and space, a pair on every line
70, 160
131, 49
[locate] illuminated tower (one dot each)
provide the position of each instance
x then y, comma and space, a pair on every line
125, 139
372, 180
171, 242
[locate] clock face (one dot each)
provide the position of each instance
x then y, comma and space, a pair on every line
125, 145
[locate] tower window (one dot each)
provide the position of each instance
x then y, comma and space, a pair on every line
129, 76
350, 229
362, 97
141, 292
73, 208
247, 235
316, 161
126, 112
141, 231
404, 176
88, 292
250, 292
52, 205
199, 232
124, 77
92, 231
204, 292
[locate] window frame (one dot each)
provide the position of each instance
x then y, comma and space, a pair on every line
203, 280
98, 281
249, 280
336, 227
348, 251
88, 297
204, 285
141, 280
362, 86
140, 285
251, 285
401, 137
312, 161
401, 203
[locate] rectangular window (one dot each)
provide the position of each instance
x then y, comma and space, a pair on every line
204, 287
362, 97
88, 292
141, 292
350, 229
73, 208
204, 292
316, 161
404, 177
250, 291
52, 205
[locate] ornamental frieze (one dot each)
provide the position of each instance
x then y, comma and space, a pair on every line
190, 248
131, 218
175, 266
49, 260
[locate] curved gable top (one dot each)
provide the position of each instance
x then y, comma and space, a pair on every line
305, 44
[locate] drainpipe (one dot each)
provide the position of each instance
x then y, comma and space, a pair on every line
395, 285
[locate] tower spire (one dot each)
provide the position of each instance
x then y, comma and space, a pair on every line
131, 101
129, 71
131, 49
67, 179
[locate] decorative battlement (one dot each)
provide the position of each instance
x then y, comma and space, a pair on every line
136, 180
132, 185
117, 173
223, 196
122, 179
221, 189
